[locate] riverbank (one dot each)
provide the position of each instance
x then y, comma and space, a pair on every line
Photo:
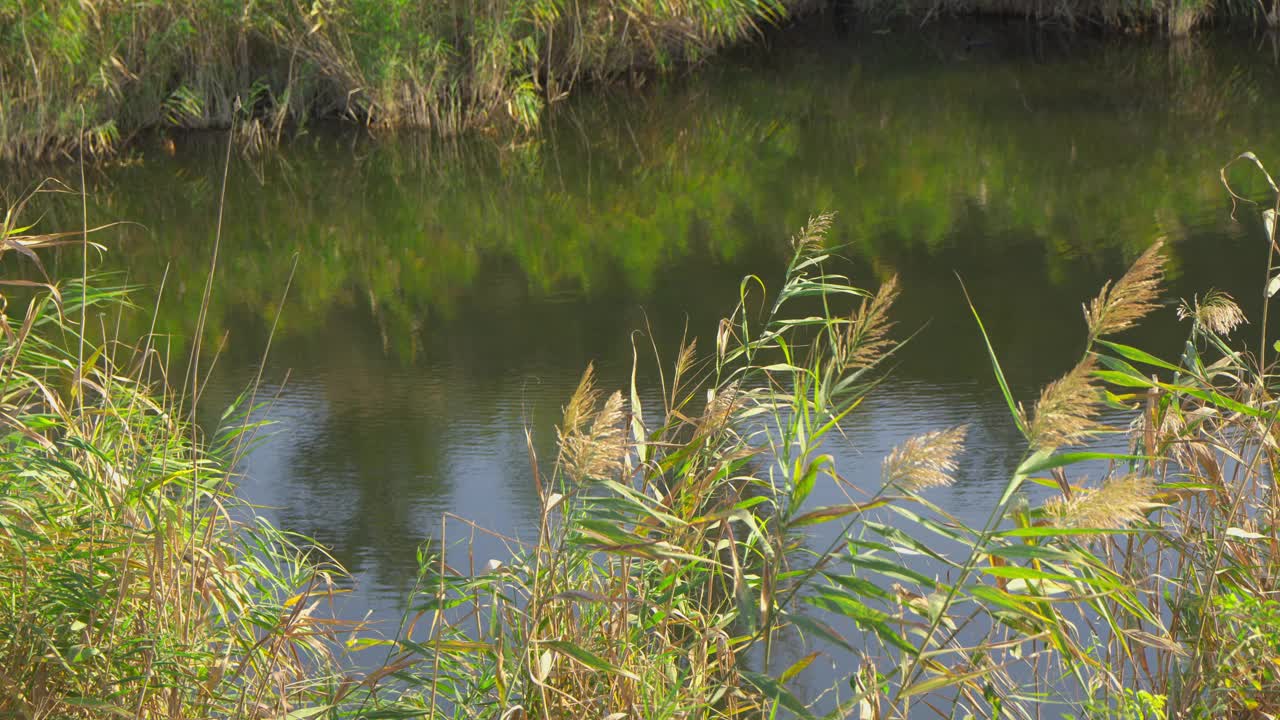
76, 75
103, 71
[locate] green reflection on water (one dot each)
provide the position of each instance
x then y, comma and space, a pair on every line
1079, 155
1035, 166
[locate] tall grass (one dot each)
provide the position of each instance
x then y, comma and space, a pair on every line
131, 583
678, 546
675, 552
93, 73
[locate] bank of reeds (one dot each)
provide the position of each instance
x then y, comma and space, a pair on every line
93, 73
131, 582
90, 75
677, 547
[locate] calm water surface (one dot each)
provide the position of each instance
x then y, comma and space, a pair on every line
449, 295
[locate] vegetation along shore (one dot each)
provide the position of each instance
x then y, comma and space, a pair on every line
674, 547
90, 75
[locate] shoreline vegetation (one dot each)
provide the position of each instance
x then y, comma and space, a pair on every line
91, 75
673, 550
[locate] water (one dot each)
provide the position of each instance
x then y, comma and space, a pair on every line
449, 295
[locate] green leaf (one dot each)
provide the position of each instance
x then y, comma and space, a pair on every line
995, 364
821, 629
809, 478
798, 666
1036, 463
1137, 355
941, 681
591, 660
1123, 379
779, 694
858, 585
905, 540
833, 512
891, 569
1031, 532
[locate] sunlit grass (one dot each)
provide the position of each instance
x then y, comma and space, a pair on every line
676, 544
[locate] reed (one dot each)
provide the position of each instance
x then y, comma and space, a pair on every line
663, 578
675, 548
131, 583
668, 549
91, 74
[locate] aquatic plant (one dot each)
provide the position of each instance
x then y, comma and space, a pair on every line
677, 545
685, 541
90, 75
131, 582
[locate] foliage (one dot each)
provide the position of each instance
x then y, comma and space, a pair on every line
127, 584
91, 74
87, 74
667, 551
677, 544
1121, 589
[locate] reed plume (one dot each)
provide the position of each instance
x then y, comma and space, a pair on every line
684, 367
811, 236
593, 442
1119, 307
1217, 313
722, 405
925, 461
1067, 411
1114, 506
866, 336
581, 404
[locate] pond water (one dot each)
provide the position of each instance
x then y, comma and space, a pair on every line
449, 295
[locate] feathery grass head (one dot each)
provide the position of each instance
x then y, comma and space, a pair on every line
1067, 411
924, 461
1118, 307
866, 337
601, 451
581, 404
722, 405
1116, 505
1217, 313
593, 442
812, 234
685, 358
